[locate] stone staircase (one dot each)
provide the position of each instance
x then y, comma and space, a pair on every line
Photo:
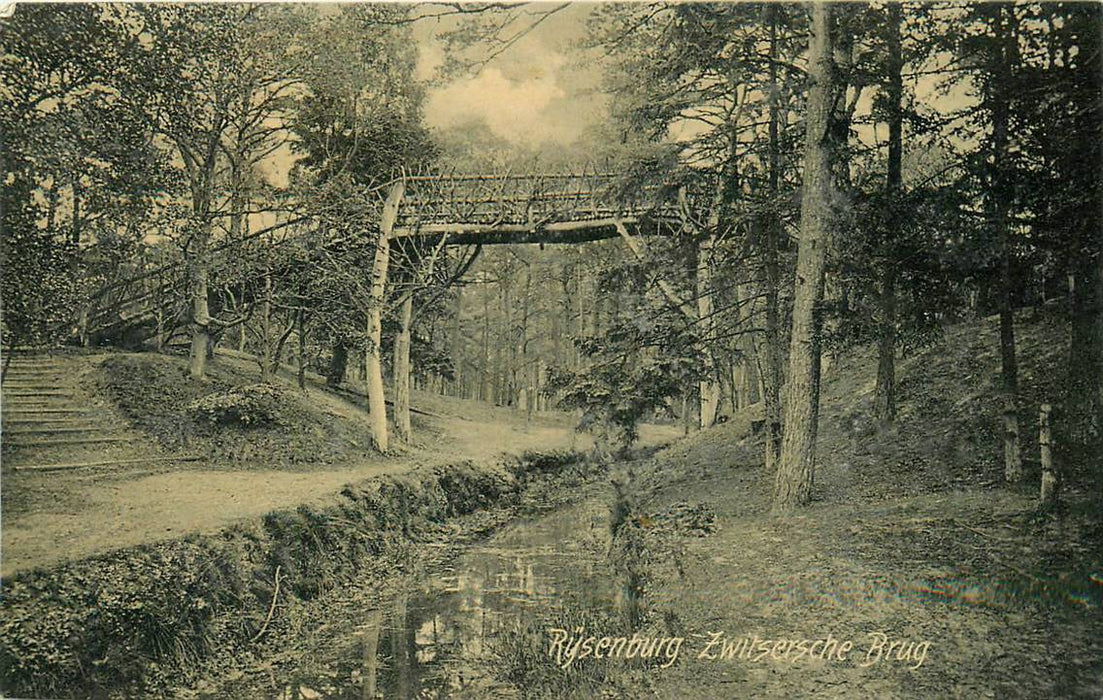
49, 419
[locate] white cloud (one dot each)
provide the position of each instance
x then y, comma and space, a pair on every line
516, 110
531, 94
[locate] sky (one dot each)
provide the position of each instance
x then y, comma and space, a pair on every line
543, 92
536, 92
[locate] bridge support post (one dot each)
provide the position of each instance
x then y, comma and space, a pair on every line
377, 404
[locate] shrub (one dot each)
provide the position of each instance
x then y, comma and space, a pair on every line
245, 406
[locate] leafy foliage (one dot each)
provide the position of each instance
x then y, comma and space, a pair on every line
636, 369
246, 406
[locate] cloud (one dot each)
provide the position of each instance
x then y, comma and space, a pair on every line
535, 93
521, 111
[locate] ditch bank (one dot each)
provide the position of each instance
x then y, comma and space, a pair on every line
138, 620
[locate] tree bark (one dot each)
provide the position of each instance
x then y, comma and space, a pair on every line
300, 322
885, 394
373, 357
708, 388
1050, 483
1084, 404
201, 318
796, 471
998, 195
456, 349
770, 375
401, 379
267, 343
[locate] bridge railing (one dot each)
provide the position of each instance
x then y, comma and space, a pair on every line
531, 199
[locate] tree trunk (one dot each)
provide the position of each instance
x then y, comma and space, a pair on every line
770, 375
796, 471
201, 318
1049, 475
456, 349
885, 394
998, 196
708, 388
401, 379
267, 343
370, 663
301, 331
373, 356
484, 383
1084, 403
338, 364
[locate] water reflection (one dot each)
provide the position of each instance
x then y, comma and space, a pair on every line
436, 641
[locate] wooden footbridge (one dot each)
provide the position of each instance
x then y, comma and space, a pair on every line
546, 208
449, 209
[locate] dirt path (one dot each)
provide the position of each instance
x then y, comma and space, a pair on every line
126, 512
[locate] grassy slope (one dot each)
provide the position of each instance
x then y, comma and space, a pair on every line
154, 391
911, 535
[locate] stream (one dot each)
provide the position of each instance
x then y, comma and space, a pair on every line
438, 638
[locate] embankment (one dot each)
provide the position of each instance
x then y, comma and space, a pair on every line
140, 619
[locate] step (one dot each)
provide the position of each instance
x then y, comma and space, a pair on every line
35, 394
30, 386
69, 441
11, 405
32, 370
34, 421
44, 410
59, 431
104, 463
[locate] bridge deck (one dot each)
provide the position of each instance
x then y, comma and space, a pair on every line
537, 208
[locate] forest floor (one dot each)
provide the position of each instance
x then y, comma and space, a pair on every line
51, 516
912, 538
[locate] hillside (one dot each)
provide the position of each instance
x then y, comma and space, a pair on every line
912, 535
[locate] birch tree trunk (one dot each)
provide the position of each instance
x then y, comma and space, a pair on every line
377, 403
997, 210
401, 379
793, 486
1045, 447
